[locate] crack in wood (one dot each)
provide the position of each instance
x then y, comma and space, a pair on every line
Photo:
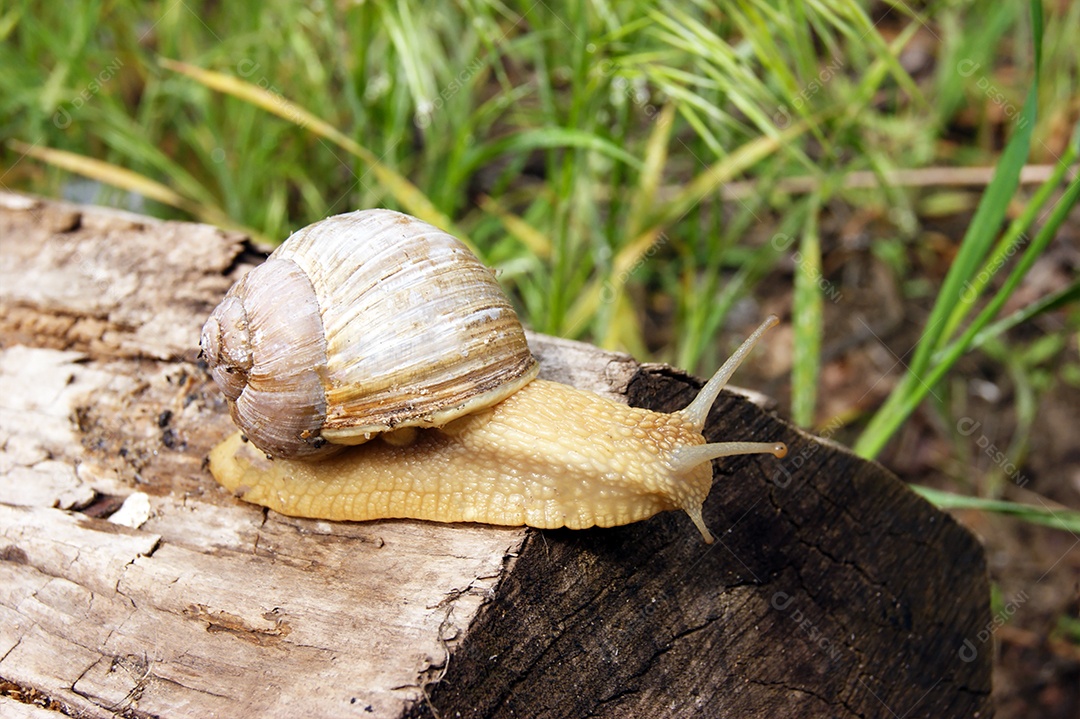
222, 621
60, 330
33, 696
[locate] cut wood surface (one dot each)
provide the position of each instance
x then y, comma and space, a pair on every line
131, 584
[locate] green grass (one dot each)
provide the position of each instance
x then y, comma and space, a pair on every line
585, 154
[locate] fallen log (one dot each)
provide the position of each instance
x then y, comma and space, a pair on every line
131, 584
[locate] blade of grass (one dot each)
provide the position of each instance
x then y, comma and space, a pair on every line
132, 182
914, 388
533, 239
917, 381
409, 195
749, 269
863, 29
547, 138
623, 329
990, 212
740, 160
1064, 519
702, 185
656, 153
1063, 298
1009, 242
807, 314
127, 140
105, 172
8, 22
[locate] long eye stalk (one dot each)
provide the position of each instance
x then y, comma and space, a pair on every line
698, 410
684, 459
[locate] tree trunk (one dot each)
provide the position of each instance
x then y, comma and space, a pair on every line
131, 584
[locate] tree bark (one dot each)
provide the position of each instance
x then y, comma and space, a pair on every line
131, 584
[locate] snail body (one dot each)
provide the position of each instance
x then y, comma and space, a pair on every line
526, 452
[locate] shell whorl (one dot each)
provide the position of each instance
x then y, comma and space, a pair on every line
408, 329
266, 350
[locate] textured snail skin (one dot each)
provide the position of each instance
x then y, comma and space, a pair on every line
548, 456
521, 462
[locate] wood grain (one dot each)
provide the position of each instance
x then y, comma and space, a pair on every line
832, 589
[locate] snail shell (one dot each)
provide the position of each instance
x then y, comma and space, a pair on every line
388, 322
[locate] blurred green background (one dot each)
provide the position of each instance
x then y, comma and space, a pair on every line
897, 181
641, 178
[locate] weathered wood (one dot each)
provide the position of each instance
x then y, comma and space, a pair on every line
832, 589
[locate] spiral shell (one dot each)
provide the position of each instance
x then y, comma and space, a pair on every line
359, 324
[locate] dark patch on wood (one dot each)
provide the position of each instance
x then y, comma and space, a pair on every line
14, 554
250, 255
219, 621
104, 526
104, 505
30, 695
54, 329
171, 440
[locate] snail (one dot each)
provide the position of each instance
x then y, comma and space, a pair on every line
377, 330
